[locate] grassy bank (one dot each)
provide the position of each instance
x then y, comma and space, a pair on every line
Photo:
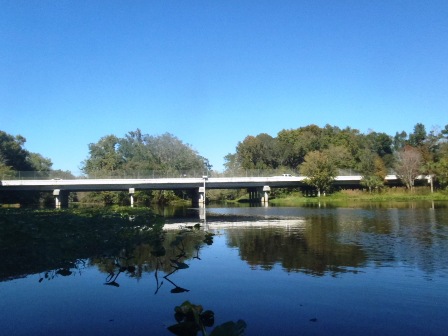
393, 194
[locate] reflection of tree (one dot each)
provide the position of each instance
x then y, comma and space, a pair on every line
313, 249
119, 242
68, 270
167, 252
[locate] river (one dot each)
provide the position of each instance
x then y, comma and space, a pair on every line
363, 269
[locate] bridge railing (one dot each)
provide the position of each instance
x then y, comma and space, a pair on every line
348, 172
152, 174
157, 174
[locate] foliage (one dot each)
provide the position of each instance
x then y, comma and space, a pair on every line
373, 170
372, 154
290, 147
320, 168
441, 167
14, 157
258, 152
141, 152
12, 152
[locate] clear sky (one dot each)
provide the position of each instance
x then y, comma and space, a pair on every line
213, 72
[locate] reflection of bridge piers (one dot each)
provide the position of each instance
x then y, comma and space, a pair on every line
203, 215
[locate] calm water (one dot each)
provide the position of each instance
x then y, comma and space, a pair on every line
372, 270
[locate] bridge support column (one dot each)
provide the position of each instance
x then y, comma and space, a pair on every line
265, 198
131, 195
255, 195
60, 198
201, 199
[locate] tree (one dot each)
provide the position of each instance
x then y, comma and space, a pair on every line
141, 153
372, 169
104, 158
399, 140
408, 165
39, 163
5, 170
294, 144
257, 152
14, 157
13, 153
418, 137
382, 145
172, 154
231, 162
135, 153
320, 170
441, 167
445, 132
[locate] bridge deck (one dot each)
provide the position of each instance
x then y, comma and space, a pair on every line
170, 183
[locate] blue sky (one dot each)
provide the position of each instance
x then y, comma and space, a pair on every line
213, 72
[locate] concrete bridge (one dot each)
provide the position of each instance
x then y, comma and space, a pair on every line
258, 187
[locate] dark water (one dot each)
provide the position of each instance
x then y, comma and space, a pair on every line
364, 270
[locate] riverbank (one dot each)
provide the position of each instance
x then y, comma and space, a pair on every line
395, 194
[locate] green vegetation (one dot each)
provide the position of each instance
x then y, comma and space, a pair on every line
396, 194
137, 154
320, 153
15, 158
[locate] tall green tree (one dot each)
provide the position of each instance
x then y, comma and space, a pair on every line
320, 169
382, 145
39, 163
172, 154
294, 144
441, 167
418, 136
13, 158
399, 140
372, 169
13, 152
103, 157
257, 152
231, 162
137, 153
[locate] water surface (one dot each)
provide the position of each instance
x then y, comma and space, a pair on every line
372, 270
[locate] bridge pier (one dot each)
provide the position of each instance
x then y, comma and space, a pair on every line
265, 198
60, 198
257, 194
201, 199
131, 195
260, 194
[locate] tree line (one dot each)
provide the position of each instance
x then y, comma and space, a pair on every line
110, 156
140, 153
316, 152
319, 152
15, 158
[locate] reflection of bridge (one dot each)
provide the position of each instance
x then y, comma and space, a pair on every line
258, 187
